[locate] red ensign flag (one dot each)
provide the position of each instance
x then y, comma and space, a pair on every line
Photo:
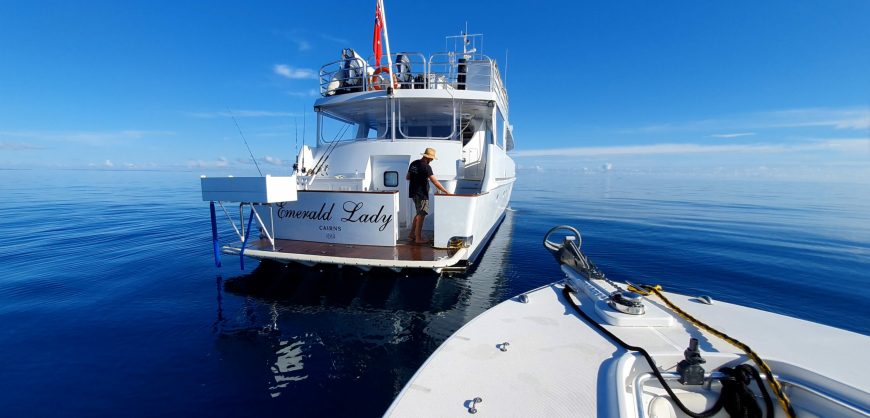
376, 43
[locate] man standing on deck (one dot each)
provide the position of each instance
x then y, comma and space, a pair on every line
420, 174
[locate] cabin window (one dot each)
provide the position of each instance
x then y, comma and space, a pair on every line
426, 118
489, 132
509, 138
499, 124
391, 179
362, 120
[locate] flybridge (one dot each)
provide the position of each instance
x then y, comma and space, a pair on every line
456, 70
465, 70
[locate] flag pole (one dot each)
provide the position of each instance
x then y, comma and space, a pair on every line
387, 39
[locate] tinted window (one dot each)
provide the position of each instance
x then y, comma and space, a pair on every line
391, 178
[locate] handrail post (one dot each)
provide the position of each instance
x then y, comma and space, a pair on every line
214, 236
263, 225
247, 235
242, 235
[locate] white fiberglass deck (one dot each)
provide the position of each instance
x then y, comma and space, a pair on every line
557, 365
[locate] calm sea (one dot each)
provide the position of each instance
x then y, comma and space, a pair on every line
110, 304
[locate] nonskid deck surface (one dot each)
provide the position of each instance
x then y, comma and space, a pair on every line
404, 250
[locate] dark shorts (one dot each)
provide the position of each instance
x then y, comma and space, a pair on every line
422, 206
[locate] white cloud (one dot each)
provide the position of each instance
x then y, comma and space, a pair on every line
294, 73
335, 39
17, 146
108, 163
295, 36
272, 160
856, 118
302, 44
241, 114
220, 162
847, 118
848, 145
265, 160
85, 137
737, 135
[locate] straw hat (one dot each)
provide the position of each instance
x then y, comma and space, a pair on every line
429, 153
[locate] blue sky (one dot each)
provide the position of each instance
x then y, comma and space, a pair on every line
149, 85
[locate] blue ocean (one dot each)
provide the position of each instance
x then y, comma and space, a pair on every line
111, 305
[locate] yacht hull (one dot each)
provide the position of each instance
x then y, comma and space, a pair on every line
362, 229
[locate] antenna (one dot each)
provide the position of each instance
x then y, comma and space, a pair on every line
246, 141
505, 66
465, 40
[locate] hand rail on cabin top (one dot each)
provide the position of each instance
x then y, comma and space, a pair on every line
445, 70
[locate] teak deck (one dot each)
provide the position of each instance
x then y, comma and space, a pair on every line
403, 251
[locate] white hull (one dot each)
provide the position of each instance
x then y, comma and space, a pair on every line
474, 217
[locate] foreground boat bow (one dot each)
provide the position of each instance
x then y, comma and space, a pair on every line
589, 346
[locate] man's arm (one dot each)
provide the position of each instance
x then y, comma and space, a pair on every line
438, 184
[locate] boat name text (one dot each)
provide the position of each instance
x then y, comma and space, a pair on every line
354, 213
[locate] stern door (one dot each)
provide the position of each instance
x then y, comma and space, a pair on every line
388, 174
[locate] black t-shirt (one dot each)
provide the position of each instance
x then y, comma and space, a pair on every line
419, 185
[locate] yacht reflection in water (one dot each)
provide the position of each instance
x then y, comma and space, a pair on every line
348, 332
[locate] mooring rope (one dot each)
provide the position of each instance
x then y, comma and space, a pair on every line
771, 380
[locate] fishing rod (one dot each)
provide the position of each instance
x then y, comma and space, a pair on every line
246, 141
304, 124
332, 145
325, 156
296, 149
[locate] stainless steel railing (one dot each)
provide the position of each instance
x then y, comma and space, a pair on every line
344, 76
412, 70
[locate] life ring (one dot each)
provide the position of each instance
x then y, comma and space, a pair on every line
376, 81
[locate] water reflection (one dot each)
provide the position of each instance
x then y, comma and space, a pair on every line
358, 335
287, 366
332, 288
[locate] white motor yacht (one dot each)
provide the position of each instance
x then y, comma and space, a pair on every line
346, 201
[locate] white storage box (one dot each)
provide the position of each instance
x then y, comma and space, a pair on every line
249, 189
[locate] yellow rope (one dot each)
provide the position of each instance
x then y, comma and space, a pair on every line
771, 380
